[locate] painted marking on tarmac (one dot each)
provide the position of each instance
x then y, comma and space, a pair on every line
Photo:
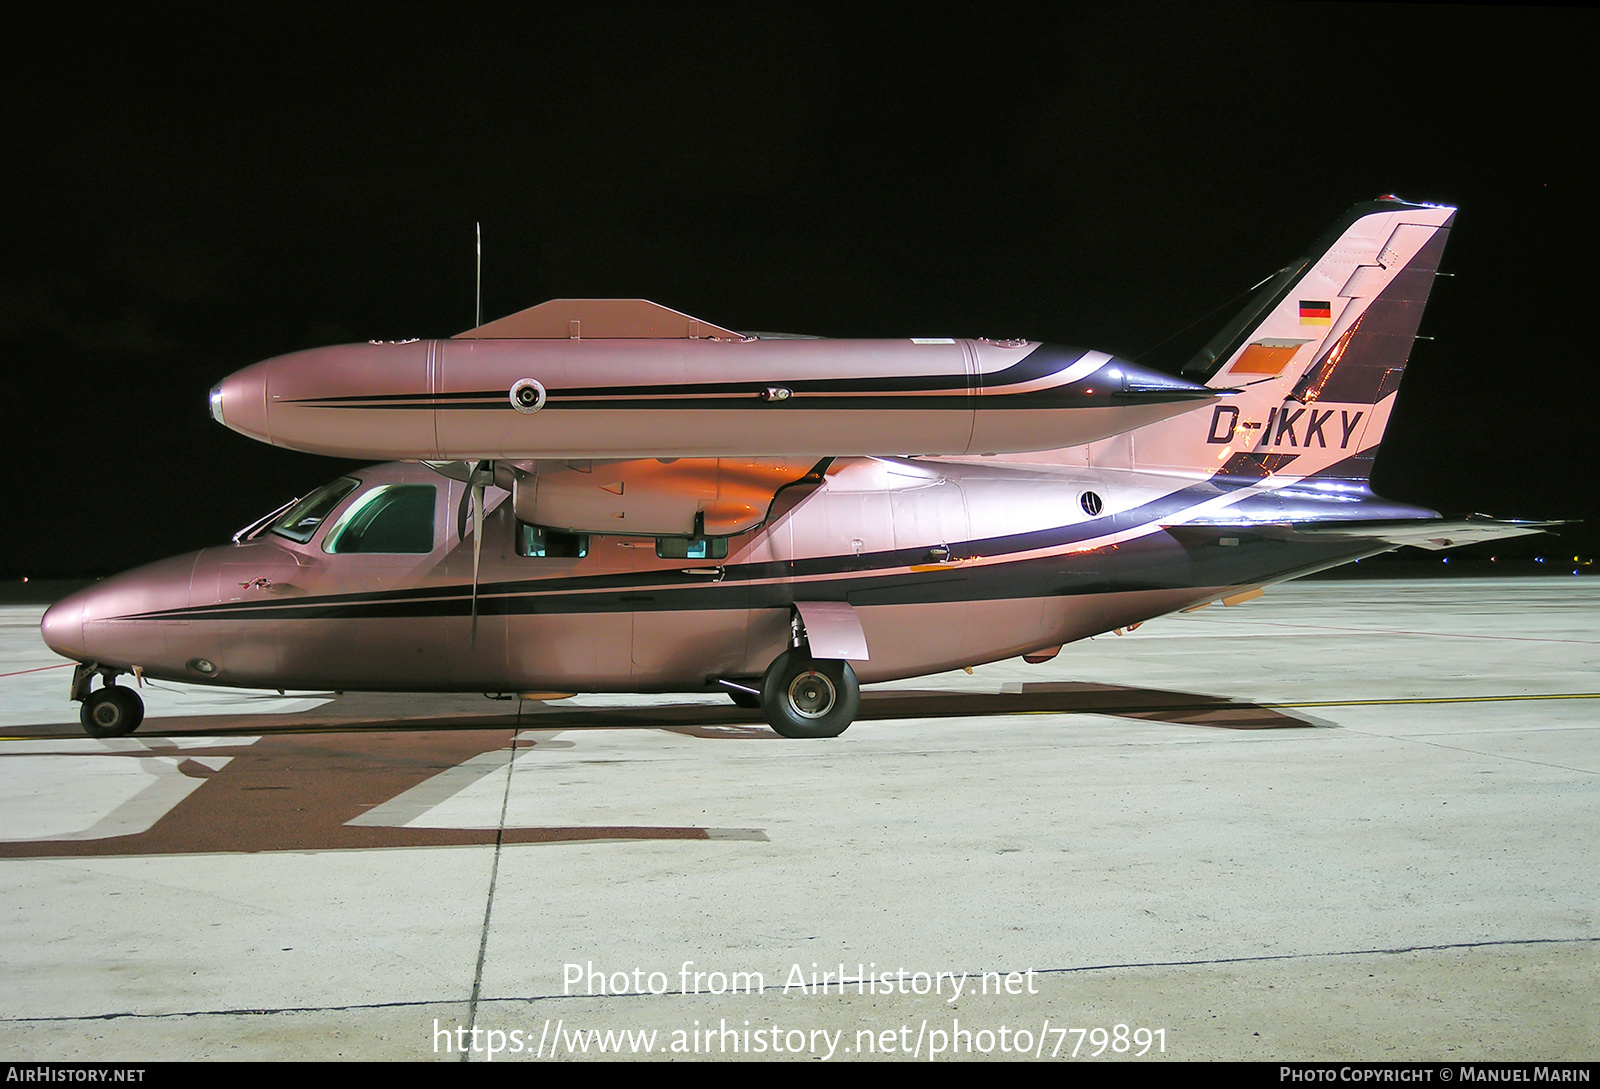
1445, 699
1175, 709
39, 669
1426, 634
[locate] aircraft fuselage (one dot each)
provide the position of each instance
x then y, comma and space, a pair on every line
945, 565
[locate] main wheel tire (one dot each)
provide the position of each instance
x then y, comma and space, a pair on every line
113, 711
806, 697
744, 699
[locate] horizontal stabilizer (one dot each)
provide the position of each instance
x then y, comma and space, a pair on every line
598, 319
1434, 535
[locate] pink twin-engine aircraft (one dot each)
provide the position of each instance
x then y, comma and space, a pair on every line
610, 496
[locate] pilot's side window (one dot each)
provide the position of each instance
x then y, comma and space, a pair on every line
393, 518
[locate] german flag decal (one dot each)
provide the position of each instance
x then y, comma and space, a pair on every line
1315, 313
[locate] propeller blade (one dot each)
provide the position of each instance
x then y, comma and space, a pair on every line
482, 469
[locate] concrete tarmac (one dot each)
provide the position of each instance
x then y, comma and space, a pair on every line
1348, 820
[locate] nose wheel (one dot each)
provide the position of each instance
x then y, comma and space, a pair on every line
112, 711
803, 696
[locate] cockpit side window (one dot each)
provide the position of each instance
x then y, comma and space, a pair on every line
395, 518
300, 521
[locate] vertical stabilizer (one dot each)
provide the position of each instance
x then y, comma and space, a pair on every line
1316, 357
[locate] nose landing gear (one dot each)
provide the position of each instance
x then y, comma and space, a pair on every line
110, 711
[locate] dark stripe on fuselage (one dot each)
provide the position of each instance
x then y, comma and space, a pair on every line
1085, 397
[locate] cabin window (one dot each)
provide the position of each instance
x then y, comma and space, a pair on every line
541, 542
300, 521
692, 548
395, 518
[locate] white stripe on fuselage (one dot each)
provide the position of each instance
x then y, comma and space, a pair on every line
1085, 365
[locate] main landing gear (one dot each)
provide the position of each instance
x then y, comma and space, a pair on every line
802, 696
110, 711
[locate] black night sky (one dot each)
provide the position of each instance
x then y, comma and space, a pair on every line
189, 195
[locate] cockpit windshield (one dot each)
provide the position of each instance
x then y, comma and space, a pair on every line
300, 521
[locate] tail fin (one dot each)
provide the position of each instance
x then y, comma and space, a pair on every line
1315, 358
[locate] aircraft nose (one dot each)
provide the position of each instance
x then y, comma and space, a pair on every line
62, 627
239, 401
122, 621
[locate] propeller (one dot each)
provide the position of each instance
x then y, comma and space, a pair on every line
481, 476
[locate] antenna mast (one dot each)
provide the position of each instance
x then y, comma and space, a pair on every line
479, 226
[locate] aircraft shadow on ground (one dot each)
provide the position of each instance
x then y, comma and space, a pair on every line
284, 782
